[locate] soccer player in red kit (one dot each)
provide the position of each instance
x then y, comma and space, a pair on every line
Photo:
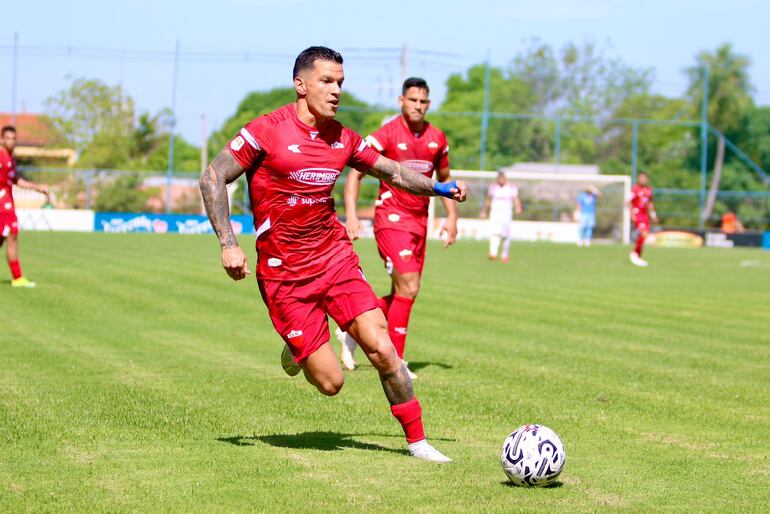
306, 267
642, 209
9, 224
400, 218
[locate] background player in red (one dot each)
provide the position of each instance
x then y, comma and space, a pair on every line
400, 218
642, 209
9, 224
306, 267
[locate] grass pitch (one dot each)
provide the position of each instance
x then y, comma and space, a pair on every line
137, 377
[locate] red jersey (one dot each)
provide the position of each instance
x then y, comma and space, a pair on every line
641, 198
424, 152
8, 177
291, 169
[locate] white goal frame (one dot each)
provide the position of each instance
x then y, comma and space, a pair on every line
555, 177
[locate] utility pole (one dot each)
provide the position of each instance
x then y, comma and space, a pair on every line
14, 76
485, 114
404, 63
170, 175
704, 134
204, 144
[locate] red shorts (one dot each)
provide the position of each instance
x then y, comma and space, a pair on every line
298, 308
642, 222
8, 224
401, 250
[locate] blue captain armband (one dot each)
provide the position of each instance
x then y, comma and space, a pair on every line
445, 188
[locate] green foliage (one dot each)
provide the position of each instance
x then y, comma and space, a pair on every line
100, 122
729, 87
123, 194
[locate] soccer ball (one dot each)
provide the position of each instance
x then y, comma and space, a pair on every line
533, 455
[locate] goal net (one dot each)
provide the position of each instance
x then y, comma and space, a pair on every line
549, 204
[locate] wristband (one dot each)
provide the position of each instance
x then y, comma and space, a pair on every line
445, 188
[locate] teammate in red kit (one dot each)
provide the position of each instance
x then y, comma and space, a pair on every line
642, 209
9, 224
306, 267
400, 218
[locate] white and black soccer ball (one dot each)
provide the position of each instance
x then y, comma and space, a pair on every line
533, 455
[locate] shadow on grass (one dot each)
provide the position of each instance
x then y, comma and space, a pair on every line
325, 441
418, 365
555, 485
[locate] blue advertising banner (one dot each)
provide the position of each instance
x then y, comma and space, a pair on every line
121, 222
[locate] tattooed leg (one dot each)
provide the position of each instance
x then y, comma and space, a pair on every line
370, 330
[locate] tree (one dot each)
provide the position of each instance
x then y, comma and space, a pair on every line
124, 194
96, 119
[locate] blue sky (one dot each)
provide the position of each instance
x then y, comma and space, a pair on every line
660, 34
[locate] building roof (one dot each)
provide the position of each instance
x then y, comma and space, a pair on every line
31, 129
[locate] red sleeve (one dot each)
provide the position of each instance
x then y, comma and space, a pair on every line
362, 156
444, 155
251, 142
378, 140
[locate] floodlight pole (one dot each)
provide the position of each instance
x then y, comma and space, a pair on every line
704, 131
634, 148
14, 76
170, 175
485, 114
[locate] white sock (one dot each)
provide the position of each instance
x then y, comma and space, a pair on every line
506, 246
494, 245
413, 447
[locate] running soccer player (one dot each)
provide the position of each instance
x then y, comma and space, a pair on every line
502, 198
586, 215
401, 218
642, 209
9, 224
306, 267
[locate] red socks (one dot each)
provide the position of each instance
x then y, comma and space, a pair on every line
385, 302
409, 414
639, 245
398, 321
15, 269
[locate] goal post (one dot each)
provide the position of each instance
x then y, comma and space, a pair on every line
549, 203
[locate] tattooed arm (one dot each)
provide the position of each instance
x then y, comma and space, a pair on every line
213, 184
405, 178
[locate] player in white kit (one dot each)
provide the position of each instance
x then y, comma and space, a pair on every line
502, 198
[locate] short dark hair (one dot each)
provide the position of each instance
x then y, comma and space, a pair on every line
7, 128
414, 82
307, 58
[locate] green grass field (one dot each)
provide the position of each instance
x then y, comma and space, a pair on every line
137, 377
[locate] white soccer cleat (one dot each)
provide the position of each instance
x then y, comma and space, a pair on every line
423, 450
287, 362
409, 372
347, 348
637, 261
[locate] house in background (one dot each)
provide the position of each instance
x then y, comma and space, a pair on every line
36, 141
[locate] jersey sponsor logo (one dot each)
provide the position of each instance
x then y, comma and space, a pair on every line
315, 176
292, 201
405, 254
237, 143
337, 144
294, 334
394, 217
294, 148
433, 145
274, 263
313, 134
401, 146
419, 165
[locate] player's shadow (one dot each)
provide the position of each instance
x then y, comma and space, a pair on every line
418, 365
325, 441
555, 485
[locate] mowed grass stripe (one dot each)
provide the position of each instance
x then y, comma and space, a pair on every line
138, 371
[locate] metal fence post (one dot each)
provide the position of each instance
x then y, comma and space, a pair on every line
704, 123
634, 148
